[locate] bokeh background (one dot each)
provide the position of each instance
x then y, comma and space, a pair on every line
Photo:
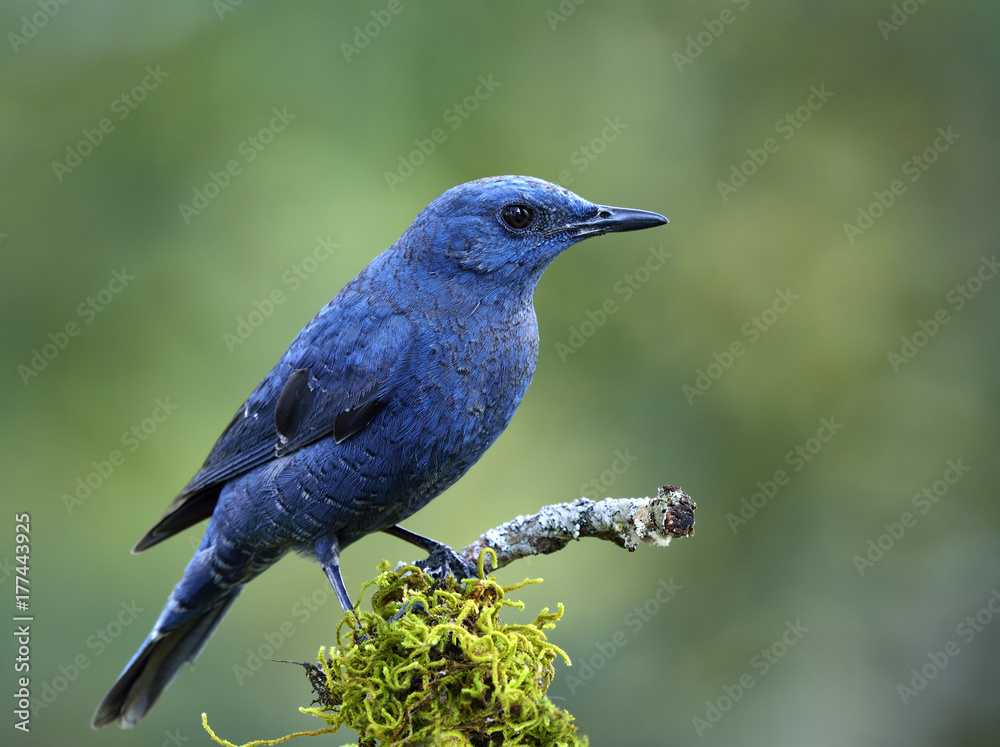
809, 619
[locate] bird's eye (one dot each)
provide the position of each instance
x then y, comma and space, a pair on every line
517, 216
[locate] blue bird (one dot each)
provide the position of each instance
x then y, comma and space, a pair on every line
387, 397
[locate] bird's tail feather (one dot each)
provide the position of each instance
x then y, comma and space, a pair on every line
155, 665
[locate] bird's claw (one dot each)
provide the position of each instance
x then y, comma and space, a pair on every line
443, 560
409, 606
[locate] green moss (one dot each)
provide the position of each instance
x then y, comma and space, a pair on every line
447, 671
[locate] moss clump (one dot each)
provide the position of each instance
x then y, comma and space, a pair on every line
434, 664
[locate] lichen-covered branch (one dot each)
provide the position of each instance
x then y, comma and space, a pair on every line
628, 522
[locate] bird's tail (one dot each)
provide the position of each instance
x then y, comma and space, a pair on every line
156, 663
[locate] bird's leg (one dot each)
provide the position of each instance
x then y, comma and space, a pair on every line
441, 559
424, 543
328, 554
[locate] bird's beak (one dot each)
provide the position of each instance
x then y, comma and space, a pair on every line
609, 219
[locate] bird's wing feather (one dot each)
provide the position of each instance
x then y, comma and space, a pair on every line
333, 380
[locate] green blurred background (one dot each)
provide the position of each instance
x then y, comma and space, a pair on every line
647, 105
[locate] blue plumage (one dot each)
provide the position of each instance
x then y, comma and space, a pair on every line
381, 402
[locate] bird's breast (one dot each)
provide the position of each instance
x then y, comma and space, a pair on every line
485, 363
469, 377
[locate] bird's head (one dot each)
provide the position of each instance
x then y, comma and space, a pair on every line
511, 226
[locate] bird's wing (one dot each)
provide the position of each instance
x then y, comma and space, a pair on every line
335, 378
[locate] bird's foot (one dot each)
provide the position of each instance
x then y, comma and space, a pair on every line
410, 606
443, 560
